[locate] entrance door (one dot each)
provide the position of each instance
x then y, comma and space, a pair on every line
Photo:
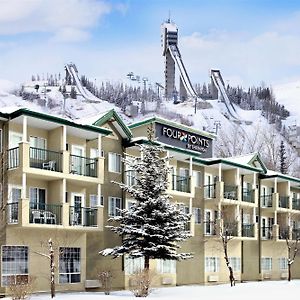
77, 160
77, 208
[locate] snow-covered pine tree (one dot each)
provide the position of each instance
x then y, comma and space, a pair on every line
152, 226
282, 153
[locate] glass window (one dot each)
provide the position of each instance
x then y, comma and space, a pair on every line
114, 206
114, 162
166, 266
14, 267
93, 200
266, 263
197, 178
37, 142
37, 198
133, 265
69, 265
235, 263
15, 194
197, 215
283, 263
212, 264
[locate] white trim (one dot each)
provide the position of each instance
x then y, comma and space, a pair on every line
82, 198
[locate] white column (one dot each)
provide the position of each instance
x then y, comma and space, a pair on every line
24, 137
99, 144
64, 190
275, 185
237, 178
99, 193
253, 215
220, 172
191, 165
64, 138
254, 181
23, 193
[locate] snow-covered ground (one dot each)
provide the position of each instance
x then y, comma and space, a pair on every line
275, 290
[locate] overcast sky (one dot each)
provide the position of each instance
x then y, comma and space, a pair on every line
249, 40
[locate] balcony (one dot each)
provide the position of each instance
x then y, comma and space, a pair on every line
45, 159
230, 192
248, 195
210, 191
284, 201
83, 216
41, 213
284, 232
296, 203
266, 232
247, 230
230, 228
266, 200
13, 158
209, 228
181, 184
12, 213
83, 166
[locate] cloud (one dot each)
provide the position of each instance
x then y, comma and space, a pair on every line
58, 17
70, 35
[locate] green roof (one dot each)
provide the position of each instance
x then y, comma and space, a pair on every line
171, 123
46, 117
112, 114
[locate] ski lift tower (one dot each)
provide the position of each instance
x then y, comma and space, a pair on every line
169, 36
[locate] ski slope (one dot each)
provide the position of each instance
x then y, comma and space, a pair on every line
183, 73
219, 83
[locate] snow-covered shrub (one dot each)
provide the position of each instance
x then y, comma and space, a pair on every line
21, 287
105, 277
140, 283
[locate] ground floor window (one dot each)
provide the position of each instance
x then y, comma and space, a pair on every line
235, 263
14, 264
166, 266
133, 265
114, 206
212, 264
197, 214
69, 265
266, 263
283, 263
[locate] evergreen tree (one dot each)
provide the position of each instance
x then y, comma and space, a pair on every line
282, 152
73, 94
153, 225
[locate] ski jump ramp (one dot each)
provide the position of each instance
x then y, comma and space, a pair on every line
218, 82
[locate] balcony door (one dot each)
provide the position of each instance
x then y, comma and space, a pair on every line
77, 203
208, 224
13, 155
77, 161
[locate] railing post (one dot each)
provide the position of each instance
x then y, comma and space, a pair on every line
100, 213
24, 156
23, 211
275, 232
66, 162
275, 200
100, 169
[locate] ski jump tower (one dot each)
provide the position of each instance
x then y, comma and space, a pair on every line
169, 40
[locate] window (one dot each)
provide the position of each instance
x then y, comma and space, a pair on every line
212, 264
14, 264
15, 194
37, 147
130, 203
235, 263
133, 265
166, 266
114, 206
114, 162
37, 198
197, 214
266, 263
197, 178
69, 265
283, 263
130, 177
93, 200
37, 142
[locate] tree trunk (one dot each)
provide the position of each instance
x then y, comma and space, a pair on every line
289, 272
146, 265
52, 269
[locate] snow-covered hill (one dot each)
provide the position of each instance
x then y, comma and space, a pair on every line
252, 134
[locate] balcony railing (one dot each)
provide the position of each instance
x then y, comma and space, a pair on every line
266, 200
284, 201
209, 191
42, 213
248, 195
248, 230
12, 213
267, 232
296, 234
181, 184
13, 158
230, 192
83, 216
296, 203
230, 228
45, 159
83, 165
209, 227
283, 232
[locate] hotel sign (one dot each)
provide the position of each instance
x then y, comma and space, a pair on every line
184, 139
